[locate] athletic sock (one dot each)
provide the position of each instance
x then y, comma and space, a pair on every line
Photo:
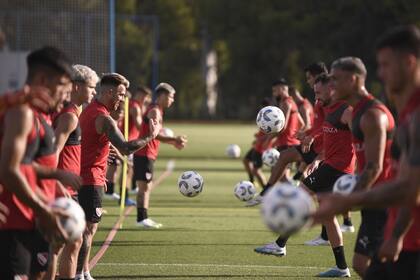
265, 189
109, 188
141, 214
347, 221
340, 259
281, 241
324, 234
297, 176
251, 178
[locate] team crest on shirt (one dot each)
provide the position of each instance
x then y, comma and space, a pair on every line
98, 211
42, 258
148, 175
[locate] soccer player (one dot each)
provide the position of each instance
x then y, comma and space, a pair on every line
305, 108
398, 55
98, 131
339, 159
50, 70
144, 159
35, 96
372, 130
68, 143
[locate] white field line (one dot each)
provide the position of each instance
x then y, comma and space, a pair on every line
213, 265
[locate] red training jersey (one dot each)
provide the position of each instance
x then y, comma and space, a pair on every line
316, 129
95, 147
359, 109
46, 155
307, 106
412, 237
151, 150
262, 142
21, 216
338, 148
69, 158
287, 136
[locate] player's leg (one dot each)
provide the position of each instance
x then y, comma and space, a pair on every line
347, 225
15, 254
69, 256
91, 202
111, 178
257, 164
369, 238
247, 161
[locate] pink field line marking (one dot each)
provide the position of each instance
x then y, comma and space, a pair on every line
116, 227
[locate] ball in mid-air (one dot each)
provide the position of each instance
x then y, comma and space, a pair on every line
190, 183
270, 119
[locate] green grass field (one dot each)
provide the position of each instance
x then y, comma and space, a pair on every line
211, 236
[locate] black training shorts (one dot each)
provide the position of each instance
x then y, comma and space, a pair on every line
90, 199
143, 168
322, 179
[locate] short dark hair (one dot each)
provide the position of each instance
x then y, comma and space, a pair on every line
114, 79
142, 89
323, 79
279, 82
401, 38
350, 64
50, 58
316, 68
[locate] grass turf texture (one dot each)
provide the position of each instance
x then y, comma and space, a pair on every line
211, 236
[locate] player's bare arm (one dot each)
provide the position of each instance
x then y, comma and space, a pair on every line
105, 124
135, 115
287, 111
178, 141
65, 125
414, 156
65, 177
374, 126
18, 123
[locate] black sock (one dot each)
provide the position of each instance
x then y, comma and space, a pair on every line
281, 241
109, 188
141, 214
340, 259
347, 221
265, 189
324, 234
251, 178
297, 176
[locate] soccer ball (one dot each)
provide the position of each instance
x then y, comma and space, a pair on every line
167, 132
233, 151
190, 183
345, 184
286, 208
270, 119
75, 223
244, 190
270, 157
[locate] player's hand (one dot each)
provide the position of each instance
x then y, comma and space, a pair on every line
38, 97
180, 142
154, 128
50, 225
69, 179
300, 135
306, 143
114, 157
390, 249
330, 204
311, 167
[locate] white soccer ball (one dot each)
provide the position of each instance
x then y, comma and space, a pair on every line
345, 184
244, 190
270, 119
233, 151
286, 208
190, 183
270, 157
167, 132
75, 223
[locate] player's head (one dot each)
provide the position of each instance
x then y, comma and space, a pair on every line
143, 95
113, 88
313, 70
280, 88
323, 90
398, 55
84, 83
348, 75
50, 68
165, 95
